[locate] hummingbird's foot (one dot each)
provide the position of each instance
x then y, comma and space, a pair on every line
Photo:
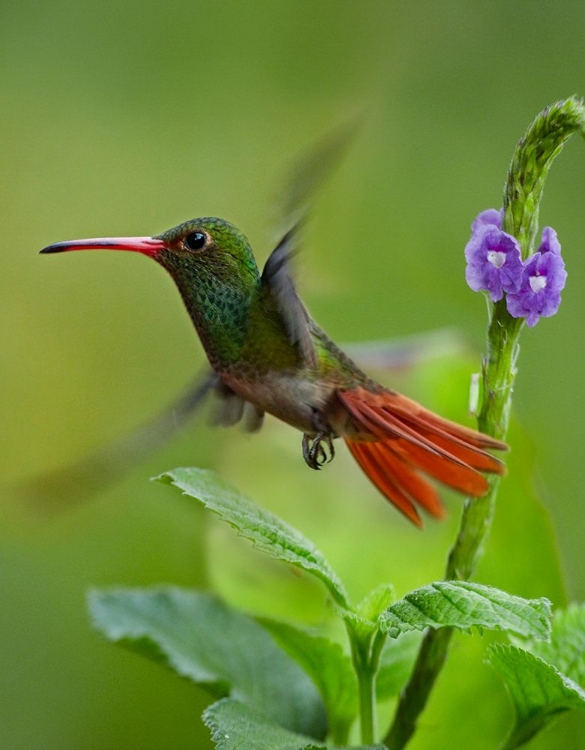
314, 451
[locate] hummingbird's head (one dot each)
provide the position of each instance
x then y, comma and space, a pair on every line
200, 250
208, 248
212, 264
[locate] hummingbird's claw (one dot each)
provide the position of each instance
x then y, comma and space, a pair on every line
314, 451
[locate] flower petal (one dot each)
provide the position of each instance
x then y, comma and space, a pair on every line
543, 279
493, 258
549, 242
489, 217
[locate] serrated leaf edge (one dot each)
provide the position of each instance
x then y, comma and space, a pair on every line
313, 556
400, 625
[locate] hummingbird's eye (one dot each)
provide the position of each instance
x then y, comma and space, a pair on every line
195, 240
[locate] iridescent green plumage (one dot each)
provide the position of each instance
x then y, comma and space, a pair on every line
217, 286
243, 320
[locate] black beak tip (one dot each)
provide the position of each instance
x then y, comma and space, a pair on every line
50, 249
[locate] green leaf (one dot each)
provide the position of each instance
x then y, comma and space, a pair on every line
538, 690
396, 664
363, 620
201, 638
235, 726
265, 530
566, 648
372, 605
460, 604
328, 666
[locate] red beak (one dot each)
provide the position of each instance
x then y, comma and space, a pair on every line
145, 245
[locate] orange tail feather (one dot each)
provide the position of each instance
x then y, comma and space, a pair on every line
397, 442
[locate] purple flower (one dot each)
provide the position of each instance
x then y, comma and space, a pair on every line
550, 242
494, 263
543, 279
490, 216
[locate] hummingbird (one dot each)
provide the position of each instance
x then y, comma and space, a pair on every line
268, 355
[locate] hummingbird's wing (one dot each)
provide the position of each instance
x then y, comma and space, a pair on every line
72, 484
69, 485
310, 170
302, 181
278, 282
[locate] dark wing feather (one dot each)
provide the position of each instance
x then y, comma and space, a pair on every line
277, 279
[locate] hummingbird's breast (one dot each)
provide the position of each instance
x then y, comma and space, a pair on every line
299, 401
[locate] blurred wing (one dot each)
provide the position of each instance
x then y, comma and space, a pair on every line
278, 281
308, 173
302, 181
59, 489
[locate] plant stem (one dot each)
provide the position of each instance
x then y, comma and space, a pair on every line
498, 375
365, 653
367, 685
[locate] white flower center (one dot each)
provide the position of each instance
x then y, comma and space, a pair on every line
537, 283
496, 258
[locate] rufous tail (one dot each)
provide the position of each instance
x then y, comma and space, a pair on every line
397, 442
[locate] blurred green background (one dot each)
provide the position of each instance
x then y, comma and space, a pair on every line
127, 118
